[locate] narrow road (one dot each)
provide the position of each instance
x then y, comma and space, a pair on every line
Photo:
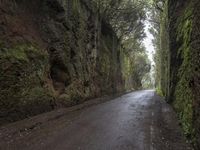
136, 121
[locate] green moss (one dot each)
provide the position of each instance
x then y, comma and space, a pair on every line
184, 93
105, 65
74, 94
183, 105
105, 60
21, 53
16, 53
76, 7
127, 67
159, 92
184, 32
35, 98
162, 58
23, 74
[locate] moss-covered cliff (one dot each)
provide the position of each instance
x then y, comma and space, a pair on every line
181, 85
55, 53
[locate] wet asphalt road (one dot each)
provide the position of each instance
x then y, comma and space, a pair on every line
139, 120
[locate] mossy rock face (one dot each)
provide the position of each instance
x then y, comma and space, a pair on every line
184, 61
83, 58
23, 71
184, 96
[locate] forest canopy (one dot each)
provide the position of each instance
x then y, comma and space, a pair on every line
127, 18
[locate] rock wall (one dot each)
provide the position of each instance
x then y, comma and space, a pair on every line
182, 86
55, 53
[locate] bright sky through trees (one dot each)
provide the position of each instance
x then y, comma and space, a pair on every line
148, 43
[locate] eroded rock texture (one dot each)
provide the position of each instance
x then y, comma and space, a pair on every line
184, 62
54, 53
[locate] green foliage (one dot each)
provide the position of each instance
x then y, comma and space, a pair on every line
159, 91
126, 17
147, 81
159, 19
135, 67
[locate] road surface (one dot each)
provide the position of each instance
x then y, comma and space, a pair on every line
139, 120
